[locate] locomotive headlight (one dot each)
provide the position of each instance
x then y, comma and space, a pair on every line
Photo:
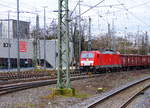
82, 64
87, 63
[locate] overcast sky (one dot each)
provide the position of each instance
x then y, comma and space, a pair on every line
125, 13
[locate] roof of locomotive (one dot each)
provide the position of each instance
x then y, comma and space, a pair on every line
112, 52
91, 52
103, 52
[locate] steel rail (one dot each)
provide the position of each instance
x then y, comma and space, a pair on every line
3, 82
13, 75
45, 77
111, 93
14, 88
9, 88
133, 97
15, 84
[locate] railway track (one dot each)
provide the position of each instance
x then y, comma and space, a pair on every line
12, 86
9, 88
117, 98
129, 101
30, 82
9, 78
36, 75
6, 76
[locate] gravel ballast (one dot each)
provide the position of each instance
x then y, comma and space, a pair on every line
36, 97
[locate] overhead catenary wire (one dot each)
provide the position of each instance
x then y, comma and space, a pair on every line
134, 6
10, 6
92, 7
26, 5
112, 5
74, 8
3, 5
89, 9
145, 3
138, 5
126, 9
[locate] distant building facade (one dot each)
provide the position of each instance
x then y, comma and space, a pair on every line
26, 50
24, 29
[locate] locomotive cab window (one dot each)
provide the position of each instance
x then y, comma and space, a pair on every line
87, 55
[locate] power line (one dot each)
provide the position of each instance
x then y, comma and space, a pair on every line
139, 5
126, 9
3, 5
92, 7
89, 9
104, 5
29, 6
74, 8
146, 3
8, 6
135, 6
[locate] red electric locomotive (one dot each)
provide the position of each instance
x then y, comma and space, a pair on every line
97, 60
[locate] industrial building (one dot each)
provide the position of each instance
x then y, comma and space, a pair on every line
9, 26
8, 46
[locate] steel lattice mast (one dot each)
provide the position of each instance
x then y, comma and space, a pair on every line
63, 75
89, 38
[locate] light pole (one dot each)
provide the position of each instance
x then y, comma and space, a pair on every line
9, 45
44, 37
125, 46
18, 38
79, 28
113, 45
